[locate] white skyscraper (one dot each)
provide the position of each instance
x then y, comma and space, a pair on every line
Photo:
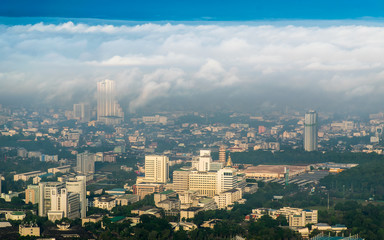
310, 131
205, 160
45, 189
108, 110
156, 169
226, 179
64, 204
86, 162
78, 185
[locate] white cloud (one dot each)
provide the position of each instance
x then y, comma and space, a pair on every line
151, 61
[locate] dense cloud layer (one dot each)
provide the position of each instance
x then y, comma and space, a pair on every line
269, 64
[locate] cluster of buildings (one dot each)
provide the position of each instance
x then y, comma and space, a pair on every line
206, 185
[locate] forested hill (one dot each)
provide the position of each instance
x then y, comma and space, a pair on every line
361, 182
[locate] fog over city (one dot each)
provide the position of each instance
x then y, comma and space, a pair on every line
243, 66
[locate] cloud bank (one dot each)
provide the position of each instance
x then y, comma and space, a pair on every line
256, 64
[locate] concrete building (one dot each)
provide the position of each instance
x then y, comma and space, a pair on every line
189, 213
108, 109
226, 179
228, 197
15, 216
205, 160
78, 185
62, 169
91, 219
181, 180
143, 189
45, 189
29, 230
296, 217
274, 171
104, 202
85, 163
32, 194
127, 199
310, 131
64, 204
205, 183
156, 169
26, 176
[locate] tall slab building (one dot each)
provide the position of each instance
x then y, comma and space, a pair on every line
108, 109
156, 169
310, 131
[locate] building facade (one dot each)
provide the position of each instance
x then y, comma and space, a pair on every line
310, 131
86, 162
156, 169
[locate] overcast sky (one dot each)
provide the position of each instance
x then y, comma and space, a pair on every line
269, 63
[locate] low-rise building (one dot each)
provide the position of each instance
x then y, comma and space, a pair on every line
29, 230
104, 202
16, 216
143, 189
296, 217
26, 176
62, 169
189, 213
126, 199
228, 197
94, 218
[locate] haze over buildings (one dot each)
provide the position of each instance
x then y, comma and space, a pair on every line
108, 109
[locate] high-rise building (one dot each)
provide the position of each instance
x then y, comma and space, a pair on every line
108, 109
226, 179
86, 162
78, 185
45, 189
82, 112
310, 131
64, 204
205, 160
222, 154
156, 169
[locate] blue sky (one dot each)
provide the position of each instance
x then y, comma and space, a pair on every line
217, 10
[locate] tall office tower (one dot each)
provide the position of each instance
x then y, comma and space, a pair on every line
222, 154
78, 185
205, 160
85, 162
156, 169
310, 131
45, 189
108, 110
82, 112
226, 179
64, 204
